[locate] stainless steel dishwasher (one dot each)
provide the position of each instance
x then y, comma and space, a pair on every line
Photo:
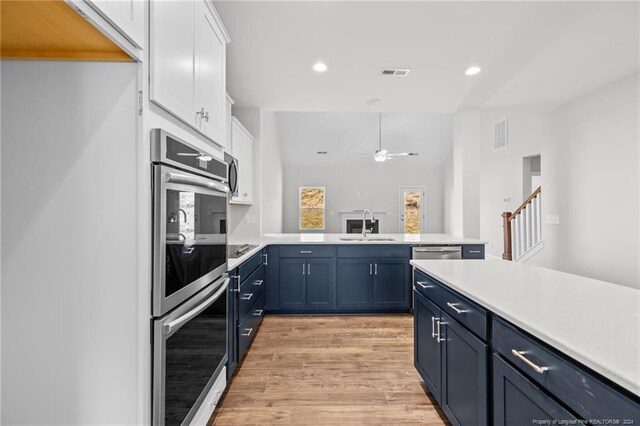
433, 252
436, 252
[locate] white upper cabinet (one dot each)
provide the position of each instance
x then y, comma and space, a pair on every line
188, 68
125, 15
242, 143
172, 57
227, 123
210, 95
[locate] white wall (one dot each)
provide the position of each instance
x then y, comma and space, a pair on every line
70, 240
362, 186
591, 179
501, 170
272, 175
463, 202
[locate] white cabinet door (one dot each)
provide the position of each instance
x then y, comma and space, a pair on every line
210, 93
172, 57
242, 143
126, 15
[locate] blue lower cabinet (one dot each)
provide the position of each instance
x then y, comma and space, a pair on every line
321, 284
391, 283
355, 279
232, 322
517, 401
464, 374
293, 273
426, 351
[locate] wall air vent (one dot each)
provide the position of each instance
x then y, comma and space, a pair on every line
500, 134
396, 72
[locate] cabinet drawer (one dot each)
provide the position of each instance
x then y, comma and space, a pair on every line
250, 291
377, 250
518, 401
581, 391
475, 251
249, 326
457, 306
249, 266
308, 251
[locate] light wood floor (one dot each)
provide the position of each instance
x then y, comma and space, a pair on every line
329, 370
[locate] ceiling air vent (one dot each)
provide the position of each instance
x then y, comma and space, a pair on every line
500, 134
396, 72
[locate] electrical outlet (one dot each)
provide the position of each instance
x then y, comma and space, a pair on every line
552, 219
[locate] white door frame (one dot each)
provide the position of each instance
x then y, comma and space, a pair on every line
411, 188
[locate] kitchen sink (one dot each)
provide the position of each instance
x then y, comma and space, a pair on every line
366, 239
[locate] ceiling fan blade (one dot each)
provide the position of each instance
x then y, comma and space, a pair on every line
403, 154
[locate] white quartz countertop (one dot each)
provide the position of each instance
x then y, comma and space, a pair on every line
410, 239
595, 322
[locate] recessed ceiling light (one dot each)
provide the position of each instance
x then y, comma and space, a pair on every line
322, 152
320, 67
473, 70
373, 101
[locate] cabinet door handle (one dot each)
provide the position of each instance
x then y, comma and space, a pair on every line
521, 357
248, 332
265, 259
370, 269
433, 327
423, 284
375, 269
237, 278
305, 251
439, 338
303, 270
258, 283
258, 312
309, 269
247, 296
456, 309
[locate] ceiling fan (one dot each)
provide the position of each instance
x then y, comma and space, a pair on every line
381, 155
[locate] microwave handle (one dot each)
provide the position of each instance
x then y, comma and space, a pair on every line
175, 325
178, 178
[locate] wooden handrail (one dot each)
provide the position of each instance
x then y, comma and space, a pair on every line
533, 195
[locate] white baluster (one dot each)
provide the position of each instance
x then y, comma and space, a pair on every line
513, 240
534, 222
539, 209
518, 239
523, 234
527, 230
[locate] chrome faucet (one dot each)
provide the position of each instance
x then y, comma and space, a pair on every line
366, 231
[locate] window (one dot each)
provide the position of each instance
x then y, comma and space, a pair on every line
311, 204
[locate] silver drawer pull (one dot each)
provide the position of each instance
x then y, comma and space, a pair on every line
258, 283
433, 327
423, 284
248, 332
521, 357
474, 251
258, 312
456, 309
305, 251
247, 296
438, 334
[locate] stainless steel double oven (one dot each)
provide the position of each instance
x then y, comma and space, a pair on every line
189, 300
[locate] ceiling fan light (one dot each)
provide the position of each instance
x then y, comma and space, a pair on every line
380, 157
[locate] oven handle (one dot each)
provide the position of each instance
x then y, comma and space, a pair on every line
174, 325
178, 178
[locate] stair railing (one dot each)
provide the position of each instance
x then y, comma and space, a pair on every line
522, 229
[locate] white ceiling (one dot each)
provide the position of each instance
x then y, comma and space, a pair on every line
345, 134
532, 53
